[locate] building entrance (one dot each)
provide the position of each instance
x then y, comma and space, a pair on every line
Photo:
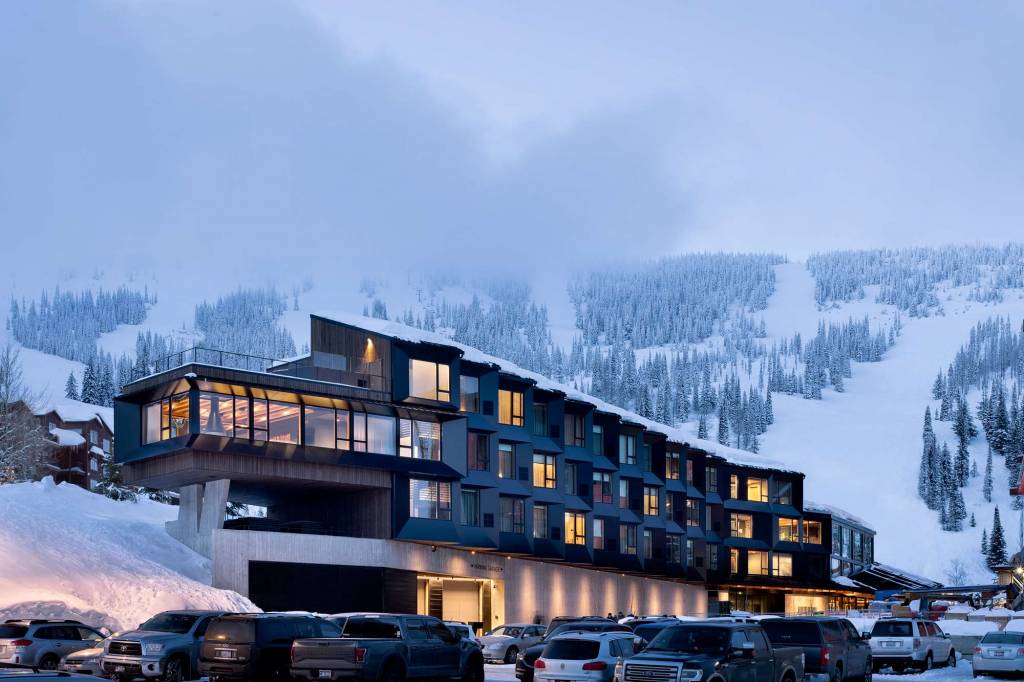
478, 602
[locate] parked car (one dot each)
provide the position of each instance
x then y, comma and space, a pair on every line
389, 648
165, 647
582, 656
562, 620
832, 646
713, 652
999, 653
901, 643
16, 673
42, 643
503, 643
648, 620
84, 661
256, 646
648, 631
526, 659
463, 630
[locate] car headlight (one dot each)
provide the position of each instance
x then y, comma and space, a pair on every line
690, 674
152, 647
619, 670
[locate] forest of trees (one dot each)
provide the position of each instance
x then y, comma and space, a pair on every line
908, 278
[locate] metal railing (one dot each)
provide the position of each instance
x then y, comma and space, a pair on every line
208, 356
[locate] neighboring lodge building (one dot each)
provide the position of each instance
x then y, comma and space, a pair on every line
404, 472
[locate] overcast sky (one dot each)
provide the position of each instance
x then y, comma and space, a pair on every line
329, 134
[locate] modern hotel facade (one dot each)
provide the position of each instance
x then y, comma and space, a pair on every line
402, 471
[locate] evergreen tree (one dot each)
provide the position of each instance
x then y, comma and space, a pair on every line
769, 412
71, 387
984, 544
996, 543
986, 486
972, 522
723, 426
702, 427
957, 510
974, 468
89, 388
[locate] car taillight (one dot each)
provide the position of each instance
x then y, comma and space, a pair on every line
292, 653
1020, 651
825, 655
539, 663
977, 649
917, 643
22, 642
595, 665
360, 654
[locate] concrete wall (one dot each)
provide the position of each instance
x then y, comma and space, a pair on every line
533, 590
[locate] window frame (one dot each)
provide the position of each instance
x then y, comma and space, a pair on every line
602, 481
806, 526
545, 473
791, 522
777, 563
764, 566
439, 394
759, 485
692, 513
438, 512
627, 538
672, 460
575, 528
734, 525
652, 501
543, 532
515, 399
474, 494
598, 532
478, 451
710, 478
576, 436
464, 395
506, 458
517, 517
627, 449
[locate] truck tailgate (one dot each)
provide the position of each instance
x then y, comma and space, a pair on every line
326, 652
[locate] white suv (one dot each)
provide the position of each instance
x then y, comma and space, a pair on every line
582, 656
901, 643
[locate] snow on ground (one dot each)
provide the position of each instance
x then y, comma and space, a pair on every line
860, 450
66, 552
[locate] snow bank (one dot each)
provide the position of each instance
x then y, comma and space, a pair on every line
67, 552
968, 628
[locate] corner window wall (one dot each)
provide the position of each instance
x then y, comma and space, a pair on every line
419, 439
164, 419
429, 380
430, 499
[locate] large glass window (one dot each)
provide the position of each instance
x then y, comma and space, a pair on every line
259, 420
651, 505
711, 479
847, 543
575, 528
320, 427
627, 538
167, 418
602, 487
543, 470
479, 451
597, 440
571, 483
510, 407
513, 515
623, 493
734, 561
672, 549
627, 448
856, 546
380, 434
757, 562
574, 433
540, 522
470, 507
419, 439
540, 419
672, 466
648, 544
430, 499
217, 414
741, 525
783, 493
692, 513
757, 489
283, 419
429, 380
506, 461
690, 560
789, 530
782, 565
734, 486
469, 393
598, 533
812, 532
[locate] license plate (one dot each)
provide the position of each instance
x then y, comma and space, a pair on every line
997, 652
118, 668
890, 645
224, 653
324, 674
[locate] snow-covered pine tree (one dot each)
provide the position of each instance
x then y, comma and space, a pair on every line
986, 486
702, 427
723, 426
71, 387
974, 468
972, 523
996, 542
984, 544
89, 392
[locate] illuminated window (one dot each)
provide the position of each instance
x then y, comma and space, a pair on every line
648, 544
510, 407
711, 479
734, 486
574, 434
543, 470
540, 521
734, 561
782, 565
597, 440
283, 419
320, 425
672, 549
430, 499
741, 525
783, 493
598, 533
470, 507
757, 489
627, 538
259, 420
513, 515
692, 513
651, 506
380, 434
757, 562
506, 461
623, 493
672, 466
789, 530
602, 487
575, 528
812, 532
627, 449
469, 393
429, 380
217, 414
479, 451
164, 419
419, 439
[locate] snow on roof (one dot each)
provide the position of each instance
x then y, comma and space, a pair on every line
77, 411
397, 330
96, 450
845, 581
66, 438
838, 513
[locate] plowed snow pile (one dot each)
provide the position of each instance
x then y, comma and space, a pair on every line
66, 552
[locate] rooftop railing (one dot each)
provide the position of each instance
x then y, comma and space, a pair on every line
217, 358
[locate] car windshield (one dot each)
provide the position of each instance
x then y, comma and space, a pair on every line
1003, 638
892, 628
786, 632
691, 639
12, 631
650, 631
571, 650
508, 631
178, 623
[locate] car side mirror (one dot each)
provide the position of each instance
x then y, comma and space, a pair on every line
865, 635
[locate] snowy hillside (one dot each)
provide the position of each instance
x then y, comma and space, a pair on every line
65, 552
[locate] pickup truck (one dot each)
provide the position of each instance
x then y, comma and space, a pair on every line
389, 648
165, 647
712, 652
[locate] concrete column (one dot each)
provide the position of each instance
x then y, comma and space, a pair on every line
215, 499
200, 512
186, 526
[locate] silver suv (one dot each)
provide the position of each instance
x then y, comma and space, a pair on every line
42, 643
902, 643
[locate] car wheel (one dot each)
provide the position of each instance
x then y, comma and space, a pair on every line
174, 671
510, 654
392, 673
951, 661
837, 674
928, 661
48, 662
474, 671
869, 671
